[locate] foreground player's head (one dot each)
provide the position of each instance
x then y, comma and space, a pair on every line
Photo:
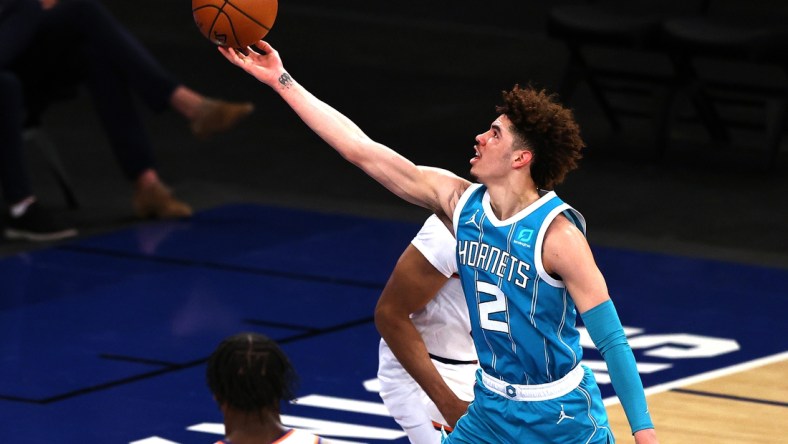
547, 129
249, 372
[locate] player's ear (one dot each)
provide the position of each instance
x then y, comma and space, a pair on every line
522, 158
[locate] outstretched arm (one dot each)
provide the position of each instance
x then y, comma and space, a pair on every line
567, 254
413, 284
433, 189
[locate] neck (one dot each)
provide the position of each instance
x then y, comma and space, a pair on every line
506, 201
252, 427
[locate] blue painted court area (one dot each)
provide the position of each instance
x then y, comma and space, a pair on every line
104, 340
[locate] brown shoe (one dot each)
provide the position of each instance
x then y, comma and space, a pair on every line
215, 116
155, 201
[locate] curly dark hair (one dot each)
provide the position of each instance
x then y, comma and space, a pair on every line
547, 129
249, 372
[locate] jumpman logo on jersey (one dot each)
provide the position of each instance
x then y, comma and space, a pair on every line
562, 415
472, 220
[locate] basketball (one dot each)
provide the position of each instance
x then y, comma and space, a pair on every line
236, 23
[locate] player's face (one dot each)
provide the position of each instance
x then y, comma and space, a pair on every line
494, 151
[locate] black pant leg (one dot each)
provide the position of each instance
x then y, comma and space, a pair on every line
80, 42
14, 176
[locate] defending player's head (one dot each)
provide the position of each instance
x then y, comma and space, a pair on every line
249, 372
547, 129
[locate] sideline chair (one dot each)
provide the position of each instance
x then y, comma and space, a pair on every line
621, 30
738, 58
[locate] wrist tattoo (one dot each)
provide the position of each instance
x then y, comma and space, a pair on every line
285, 80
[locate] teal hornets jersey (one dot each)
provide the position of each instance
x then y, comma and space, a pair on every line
522, 319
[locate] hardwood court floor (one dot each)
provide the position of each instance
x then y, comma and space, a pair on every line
745, 407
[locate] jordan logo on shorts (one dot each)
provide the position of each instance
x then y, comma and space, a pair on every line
562, 415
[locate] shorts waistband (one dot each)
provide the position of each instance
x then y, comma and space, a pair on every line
536, 392
451, 361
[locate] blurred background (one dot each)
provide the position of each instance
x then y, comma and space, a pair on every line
423, 78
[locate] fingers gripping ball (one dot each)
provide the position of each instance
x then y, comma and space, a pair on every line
234, 23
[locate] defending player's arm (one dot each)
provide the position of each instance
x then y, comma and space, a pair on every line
568, 255
436, 190
413, 283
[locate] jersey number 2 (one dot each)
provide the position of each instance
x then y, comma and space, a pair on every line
497, 305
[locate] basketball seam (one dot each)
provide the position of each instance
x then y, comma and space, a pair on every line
219, 12
247, 15
216, 18
232, 29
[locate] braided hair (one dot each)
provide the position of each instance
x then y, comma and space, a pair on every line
249, 372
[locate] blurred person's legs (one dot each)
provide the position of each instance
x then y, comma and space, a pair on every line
13, 172
104, 38
82, 42
26, 219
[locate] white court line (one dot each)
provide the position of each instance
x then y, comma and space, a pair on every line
660, 388
344, 404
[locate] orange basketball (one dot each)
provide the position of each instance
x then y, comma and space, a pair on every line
234, 23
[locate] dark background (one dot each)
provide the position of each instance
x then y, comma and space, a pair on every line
422, 77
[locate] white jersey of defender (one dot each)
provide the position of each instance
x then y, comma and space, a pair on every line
443, 323
444, 326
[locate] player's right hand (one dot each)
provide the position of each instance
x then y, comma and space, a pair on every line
646, 436
264, 64
452, 410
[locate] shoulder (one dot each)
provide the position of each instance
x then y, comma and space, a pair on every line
561, 229
445, 179
434, 234
448, 188
437, 244
564, 244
